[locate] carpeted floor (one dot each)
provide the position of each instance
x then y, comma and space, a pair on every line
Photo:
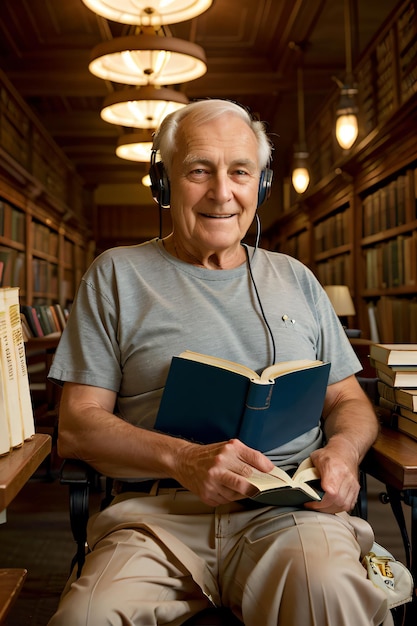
37, 536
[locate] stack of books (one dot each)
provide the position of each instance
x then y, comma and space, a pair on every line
396, 367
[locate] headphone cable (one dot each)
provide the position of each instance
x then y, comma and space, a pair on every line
258, 296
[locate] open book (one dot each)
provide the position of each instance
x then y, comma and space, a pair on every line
279, 488
208, 399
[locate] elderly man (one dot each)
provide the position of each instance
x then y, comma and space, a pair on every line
179, 535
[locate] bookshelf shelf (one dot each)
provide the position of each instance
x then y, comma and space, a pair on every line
388, 291
14, 245
389, 234
333, 252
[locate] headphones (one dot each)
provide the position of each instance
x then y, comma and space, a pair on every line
160, 187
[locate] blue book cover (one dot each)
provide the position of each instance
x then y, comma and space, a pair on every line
207, 399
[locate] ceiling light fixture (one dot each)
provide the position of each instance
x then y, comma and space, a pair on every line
347, 111
136, 146
300, 174
148, 58
153, 12
143, 107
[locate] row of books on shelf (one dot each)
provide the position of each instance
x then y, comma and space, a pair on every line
396, 368
12, 267
394, 320
16, 411
392, 263
44, 239
17, 222
40, 320
385, 208
332, 232
335, 271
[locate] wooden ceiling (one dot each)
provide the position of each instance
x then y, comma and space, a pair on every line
253, 49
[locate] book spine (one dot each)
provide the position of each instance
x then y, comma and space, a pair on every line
4, 422
25, 401
258, 400
9, 369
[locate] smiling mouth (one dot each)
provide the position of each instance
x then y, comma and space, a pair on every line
218, 217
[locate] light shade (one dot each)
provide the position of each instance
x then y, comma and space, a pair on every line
144, 58
339, 296
141, 108
146, 180
135, 146
346, 118
152, 12
346, 130
300, 174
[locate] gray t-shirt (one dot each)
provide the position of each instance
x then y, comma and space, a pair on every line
138, 306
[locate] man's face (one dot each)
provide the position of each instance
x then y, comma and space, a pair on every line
214, 184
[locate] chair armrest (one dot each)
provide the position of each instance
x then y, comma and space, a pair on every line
74, 471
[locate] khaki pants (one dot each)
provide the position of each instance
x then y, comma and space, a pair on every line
159, 559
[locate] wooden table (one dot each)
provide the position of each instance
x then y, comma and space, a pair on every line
393, 461
15, 470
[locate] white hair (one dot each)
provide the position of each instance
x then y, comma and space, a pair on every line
201, 112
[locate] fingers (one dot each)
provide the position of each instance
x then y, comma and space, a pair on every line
217, 472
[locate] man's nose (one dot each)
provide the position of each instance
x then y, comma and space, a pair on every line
221, 188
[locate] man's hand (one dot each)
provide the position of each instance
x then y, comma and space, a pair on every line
337, 464
350, 427
216, 472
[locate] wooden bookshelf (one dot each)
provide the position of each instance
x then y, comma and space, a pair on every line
361, 206
44, 233
41, 256
19, 464
16, 468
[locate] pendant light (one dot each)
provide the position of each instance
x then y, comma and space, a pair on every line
152, 12
347, 111
135, 146
300, 174
148, 58
143, 107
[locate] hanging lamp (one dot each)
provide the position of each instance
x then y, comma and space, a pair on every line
152, 12
347, 111
148, 58
135, 146
143, 107
300, 174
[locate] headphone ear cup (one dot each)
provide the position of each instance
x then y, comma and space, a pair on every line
160, 188
265, 184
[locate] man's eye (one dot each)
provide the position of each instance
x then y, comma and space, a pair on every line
198, 173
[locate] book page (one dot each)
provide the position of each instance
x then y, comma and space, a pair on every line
218, 362
306, 471
273, 371
278, 478
272, 480
270, 372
